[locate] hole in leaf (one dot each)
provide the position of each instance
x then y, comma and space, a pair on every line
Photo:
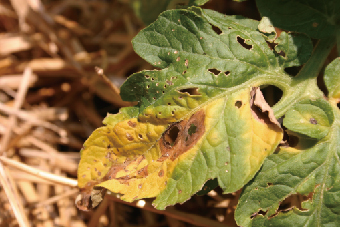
152, 79
184, 72
238, 104
147, 87
192, 129
216, 29
271, 94
269, 184
147, 76
190, 91
243, 43
293, 140
227, 73
173, 113
214, 71
293, 71
282, 54
171, 136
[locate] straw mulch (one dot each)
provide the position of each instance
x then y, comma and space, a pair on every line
52, 97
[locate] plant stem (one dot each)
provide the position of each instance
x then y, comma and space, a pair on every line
315, 63
304, 85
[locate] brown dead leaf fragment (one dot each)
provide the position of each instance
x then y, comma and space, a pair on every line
261, 110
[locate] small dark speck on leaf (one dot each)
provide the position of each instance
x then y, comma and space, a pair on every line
313, 121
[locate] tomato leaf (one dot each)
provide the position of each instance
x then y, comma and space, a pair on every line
201, 117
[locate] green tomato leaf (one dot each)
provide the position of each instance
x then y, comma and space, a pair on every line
332, 79
199, 118
316, 18
293, 49
310, 118
297, 186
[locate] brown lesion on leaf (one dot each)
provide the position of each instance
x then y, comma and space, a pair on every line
132, 124
161, 173
129, 136
90, 195
181, 136
143, 172
262, 111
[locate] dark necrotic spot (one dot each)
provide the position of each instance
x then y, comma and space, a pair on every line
214, 71
282, 53
190, 91
243, 43
216, 29
269, 184
161, 173
313, 121
129, 137
132, 124
140, 136
238, 104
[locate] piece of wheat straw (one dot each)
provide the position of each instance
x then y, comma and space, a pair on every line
39, 173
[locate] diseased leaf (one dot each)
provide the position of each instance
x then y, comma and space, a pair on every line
311, 169
198, 118
310, 118
316, 18
332, 79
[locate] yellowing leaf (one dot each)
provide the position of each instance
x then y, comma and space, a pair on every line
226, 138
